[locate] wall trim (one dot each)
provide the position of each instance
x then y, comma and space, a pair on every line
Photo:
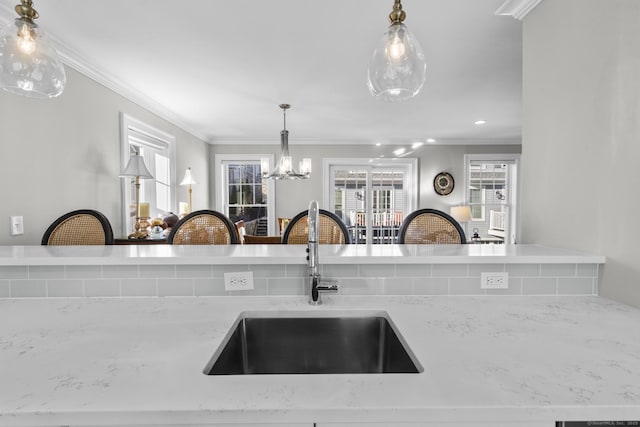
517, 8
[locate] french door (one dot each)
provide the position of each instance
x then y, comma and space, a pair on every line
372, 199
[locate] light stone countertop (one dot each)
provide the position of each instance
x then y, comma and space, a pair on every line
491, 359
291, 254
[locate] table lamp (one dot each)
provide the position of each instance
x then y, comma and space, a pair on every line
188, 180
137, 169
461, 213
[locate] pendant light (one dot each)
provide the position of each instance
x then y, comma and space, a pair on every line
284, 169
397, 69
29, 63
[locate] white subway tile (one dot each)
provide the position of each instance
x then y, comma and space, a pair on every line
158, 271
268, 270
65, 288
465, 286
219, 270
285, 286
587, 270
5, 289
339, 270
84, 271
175, 287
14, 272
449, 270
396, 286
102, 287
431, 286
138, 287
120, 271
576, 286
523, 270
296, 270
539, 286
28, 288
46, 272
354, 286
474, 270
558, 270
413, 270
209, 287
192, 271
377, 270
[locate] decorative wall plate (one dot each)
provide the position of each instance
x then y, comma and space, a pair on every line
443, 183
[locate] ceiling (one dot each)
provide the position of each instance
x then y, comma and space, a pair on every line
219, 69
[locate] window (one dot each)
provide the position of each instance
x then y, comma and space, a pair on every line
158, 150
372, 198
491, 193
242, 194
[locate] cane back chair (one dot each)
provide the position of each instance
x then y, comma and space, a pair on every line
430, 226
204, 227
331, 229
80, 227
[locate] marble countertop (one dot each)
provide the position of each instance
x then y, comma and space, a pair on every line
291, 254
490, 359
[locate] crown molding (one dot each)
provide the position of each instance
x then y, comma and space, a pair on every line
78, 62
517, 8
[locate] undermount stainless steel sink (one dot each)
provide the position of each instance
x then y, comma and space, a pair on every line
313, 343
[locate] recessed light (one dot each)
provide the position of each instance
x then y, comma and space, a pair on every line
417, 145
378, 144
431, 140
399, 151
480, 122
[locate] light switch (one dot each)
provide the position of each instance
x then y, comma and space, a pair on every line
17, 226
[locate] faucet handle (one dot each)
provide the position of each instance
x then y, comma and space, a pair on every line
328, 286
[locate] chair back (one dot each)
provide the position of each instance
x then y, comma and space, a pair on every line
80, 227
331, 229
204, 227
430, 226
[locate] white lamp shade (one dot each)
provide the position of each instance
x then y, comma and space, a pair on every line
136, 168
29, 63
188, 179
461, 213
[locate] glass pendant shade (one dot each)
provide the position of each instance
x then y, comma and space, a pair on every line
397, 70
29, 64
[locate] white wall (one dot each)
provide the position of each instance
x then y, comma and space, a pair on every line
581, 134
293, 197
63, 154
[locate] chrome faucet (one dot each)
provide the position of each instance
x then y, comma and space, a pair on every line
317, 285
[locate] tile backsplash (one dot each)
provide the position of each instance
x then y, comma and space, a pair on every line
291, 279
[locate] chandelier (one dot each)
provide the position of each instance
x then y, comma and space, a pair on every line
284, 169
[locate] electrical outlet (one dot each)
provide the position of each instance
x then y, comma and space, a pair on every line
241, 281
494, 280
17, 226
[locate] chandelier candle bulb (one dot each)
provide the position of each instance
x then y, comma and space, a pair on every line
305, 166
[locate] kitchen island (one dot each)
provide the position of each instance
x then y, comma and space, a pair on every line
500, 361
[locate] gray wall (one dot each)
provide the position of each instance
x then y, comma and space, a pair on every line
63, 154
581, 134
293, 196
